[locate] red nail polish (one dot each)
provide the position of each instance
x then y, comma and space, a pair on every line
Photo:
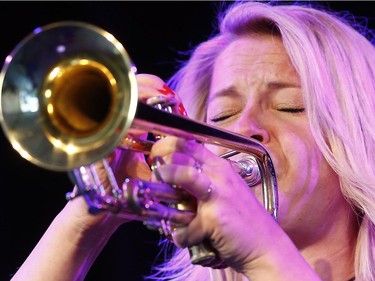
149, 160
182, 110
166, 90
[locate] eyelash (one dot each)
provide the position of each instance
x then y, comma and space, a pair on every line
287, 110
292, 110
221, 118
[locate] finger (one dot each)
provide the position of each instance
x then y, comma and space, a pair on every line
171, 144
187, 178
152, 89
180, 238
150, 80
146, 92
173, 158
179, 159
153, 81
151, 85
189, 235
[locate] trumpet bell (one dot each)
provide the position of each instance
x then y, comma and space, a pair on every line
68, 95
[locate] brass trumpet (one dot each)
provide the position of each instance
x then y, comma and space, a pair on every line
69, 98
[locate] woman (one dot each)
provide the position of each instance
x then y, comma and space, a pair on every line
299, 80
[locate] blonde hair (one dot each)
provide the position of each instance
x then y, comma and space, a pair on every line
335, 60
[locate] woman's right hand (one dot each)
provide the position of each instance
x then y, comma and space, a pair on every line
127, 163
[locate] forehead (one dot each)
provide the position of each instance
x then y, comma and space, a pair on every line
259, 54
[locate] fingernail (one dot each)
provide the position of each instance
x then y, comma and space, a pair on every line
149, 160
181, 110
166, 90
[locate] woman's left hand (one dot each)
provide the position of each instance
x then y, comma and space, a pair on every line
228, 213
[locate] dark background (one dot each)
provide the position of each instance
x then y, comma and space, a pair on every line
153, 33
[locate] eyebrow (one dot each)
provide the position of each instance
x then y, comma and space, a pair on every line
229, 91
273, 85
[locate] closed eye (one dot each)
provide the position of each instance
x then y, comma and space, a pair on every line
292, 109
220, 118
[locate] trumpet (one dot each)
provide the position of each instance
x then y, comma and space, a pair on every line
69, 98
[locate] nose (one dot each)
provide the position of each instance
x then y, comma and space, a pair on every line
252, 125
258, 137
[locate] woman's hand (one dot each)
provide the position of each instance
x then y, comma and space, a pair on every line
126, 163
229, 215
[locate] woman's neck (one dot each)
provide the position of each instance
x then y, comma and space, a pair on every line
332, 256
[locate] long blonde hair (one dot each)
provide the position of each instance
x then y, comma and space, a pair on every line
335, 60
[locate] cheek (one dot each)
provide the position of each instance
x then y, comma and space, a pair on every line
300, 163
303, 178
